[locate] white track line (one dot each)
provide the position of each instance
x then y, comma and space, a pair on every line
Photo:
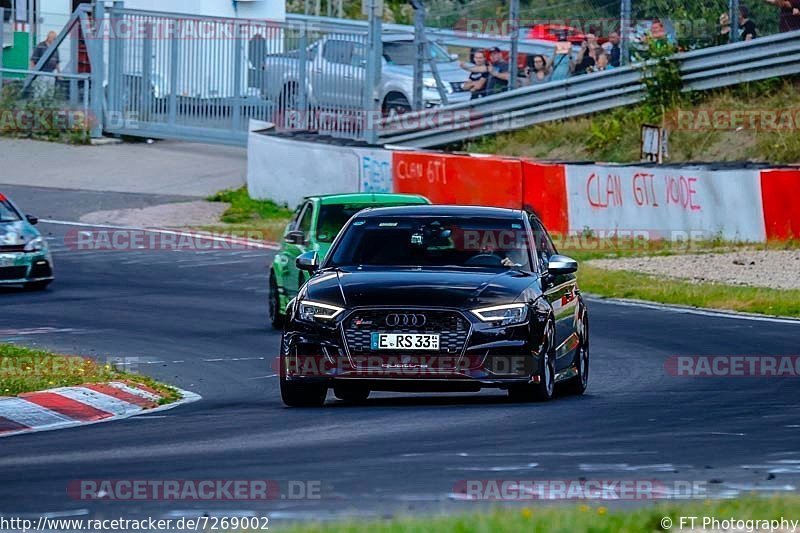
692, 310
233, 240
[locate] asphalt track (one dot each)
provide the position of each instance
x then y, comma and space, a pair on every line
197, 319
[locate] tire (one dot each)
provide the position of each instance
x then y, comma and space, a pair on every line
351, 393
296, 394
578, 384
37, 285
542, 391
276, 318
395, 103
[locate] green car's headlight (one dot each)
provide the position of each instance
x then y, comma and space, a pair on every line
315, 311
504, 315
36, 244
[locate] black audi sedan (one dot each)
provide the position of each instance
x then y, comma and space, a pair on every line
436, 298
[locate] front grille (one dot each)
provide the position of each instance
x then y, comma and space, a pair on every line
12, 248
451, 326
9, 273
458, 86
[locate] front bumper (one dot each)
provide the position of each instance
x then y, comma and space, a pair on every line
487, 357
25, 267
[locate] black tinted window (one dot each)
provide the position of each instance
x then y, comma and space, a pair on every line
432, 242
7, 211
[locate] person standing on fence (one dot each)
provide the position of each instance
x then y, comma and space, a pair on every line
45, 84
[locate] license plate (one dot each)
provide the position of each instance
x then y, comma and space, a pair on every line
7, 260
405, 341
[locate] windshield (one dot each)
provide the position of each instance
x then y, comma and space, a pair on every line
466, 242
332, 218
7, 211
404, 53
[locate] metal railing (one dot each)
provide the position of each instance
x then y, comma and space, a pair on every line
204, 78
709, 68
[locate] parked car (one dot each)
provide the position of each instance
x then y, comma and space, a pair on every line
436, 298
336, 69
24, 256
314, 226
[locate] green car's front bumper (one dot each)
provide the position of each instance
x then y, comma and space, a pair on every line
25, 267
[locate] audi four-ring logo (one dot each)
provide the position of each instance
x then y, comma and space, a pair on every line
406, 319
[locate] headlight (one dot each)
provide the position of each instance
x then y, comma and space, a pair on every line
506, 315
36, 244
429, 83
313, 311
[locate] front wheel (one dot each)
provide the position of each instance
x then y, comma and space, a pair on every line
577, 385
542, 389
395, 104
296, 394
275, 315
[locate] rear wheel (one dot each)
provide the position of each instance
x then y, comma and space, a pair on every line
541, 390
275, 315
351, 393
296, 394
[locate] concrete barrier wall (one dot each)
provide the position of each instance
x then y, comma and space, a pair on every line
664, 202
286, 171
668, 202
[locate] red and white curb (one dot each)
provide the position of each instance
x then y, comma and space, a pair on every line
66, 407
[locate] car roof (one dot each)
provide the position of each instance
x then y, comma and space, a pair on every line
370, 198
442, 210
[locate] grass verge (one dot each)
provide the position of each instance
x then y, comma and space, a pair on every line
640, 286
634, 285
597, 519
29, 370
249, 218
615, 135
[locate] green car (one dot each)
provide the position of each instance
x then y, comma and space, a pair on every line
24, 257
314, 225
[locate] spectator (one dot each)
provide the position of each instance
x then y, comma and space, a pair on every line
498, 72
538, 70
479, 75
602, 63
45, 83
38, 52
586, 56
789, 17
747, 27
724, 35
614, 52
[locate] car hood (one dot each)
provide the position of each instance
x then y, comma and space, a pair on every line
448, 72
16, 233
462, 288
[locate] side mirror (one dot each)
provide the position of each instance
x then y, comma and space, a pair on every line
561, 264
453, 57
295, 237
32, 219
308, 261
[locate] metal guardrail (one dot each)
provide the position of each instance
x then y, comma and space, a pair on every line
447, 37
709, 68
